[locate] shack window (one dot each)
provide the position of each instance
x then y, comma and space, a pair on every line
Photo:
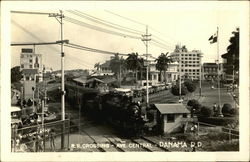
184, 115
170, 118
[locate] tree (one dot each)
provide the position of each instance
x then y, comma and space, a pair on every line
232, 55
175, 90
191, 87
117, 66
16, 74
194, 104
206, 111
133, 63
162, 63
226, 109
97, 66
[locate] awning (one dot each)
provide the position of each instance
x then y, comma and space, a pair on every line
15, 108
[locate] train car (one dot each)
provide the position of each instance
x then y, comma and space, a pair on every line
116, 108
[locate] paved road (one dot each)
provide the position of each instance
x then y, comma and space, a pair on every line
211, 96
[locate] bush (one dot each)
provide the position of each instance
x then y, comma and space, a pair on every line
226, 109
175, 90
234, 112
221, 121
206, 111
194, 104
190, 86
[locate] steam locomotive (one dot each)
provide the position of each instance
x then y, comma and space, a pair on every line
126, 115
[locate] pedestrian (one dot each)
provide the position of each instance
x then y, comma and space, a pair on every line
40, 143
215, 107
52, 139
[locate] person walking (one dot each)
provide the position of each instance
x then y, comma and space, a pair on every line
52, 139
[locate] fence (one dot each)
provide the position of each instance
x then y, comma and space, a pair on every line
40, 138
196, 127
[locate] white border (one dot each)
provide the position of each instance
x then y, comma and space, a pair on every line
243, 154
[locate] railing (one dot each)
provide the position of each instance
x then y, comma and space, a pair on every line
38, 138
232, 133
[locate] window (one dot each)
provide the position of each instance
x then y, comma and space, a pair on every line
30, 66
184, 115
30, 60
22, 65
170, 118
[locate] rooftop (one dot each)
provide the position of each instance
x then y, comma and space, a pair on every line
171, 108
30, 71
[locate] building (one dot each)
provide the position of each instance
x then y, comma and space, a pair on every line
103, 69
190, 62
154, 75
29, 82
172, 116
30, 60
210, 71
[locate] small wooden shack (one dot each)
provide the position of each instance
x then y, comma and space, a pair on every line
172, 116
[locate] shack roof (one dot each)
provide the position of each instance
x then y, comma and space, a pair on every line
94, 79
171, 108
80, 80
30, 71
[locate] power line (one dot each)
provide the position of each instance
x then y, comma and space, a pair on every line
156, 37
162, 44
161, 33
106, 23
36, 13
77, 22
137, 22
71, 45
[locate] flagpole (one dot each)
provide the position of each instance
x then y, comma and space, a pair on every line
218, 79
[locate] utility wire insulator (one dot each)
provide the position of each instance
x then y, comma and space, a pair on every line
146, 39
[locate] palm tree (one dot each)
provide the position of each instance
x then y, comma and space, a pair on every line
133, 63
162, 63
97, 66
117, 66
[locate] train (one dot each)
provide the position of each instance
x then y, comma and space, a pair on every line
131, 118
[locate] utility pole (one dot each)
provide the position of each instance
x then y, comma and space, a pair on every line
145, 39
59, 18
218, 80
200, 75
179, 75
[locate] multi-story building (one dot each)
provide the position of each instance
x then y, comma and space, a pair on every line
190, 62
103, 69
32, 69
155, 77
30, 60
210, 71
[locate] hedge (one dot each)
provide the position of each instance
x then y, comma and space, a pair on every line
220, 121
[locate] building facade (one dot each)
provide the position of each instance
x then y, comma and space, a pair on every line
30, 60
190, 62
103, 69
210, 71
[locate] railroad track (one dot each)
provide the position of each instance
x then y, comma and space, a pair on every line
155, 144
149, 145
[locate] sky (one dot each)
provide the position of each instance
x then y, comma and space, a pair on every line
189, 24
